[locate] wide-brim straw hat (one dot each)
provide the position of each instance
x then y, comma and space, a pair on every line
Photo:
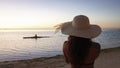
80, 27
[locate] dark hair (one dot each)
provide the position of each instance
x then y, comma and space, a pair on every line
79, 48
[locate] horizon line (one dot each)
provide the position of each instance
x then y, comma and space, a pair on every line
38, 28
25, 28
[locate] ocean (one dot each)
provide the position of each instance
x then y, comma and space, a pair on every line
14, 47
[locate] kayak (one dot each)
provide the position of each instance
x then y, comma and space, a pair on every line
35, 37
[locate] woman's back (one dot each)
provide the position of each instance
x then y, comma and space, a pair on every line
89, 59
93, 53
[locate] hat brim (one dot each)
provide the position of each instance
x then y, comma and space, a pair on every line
92, 32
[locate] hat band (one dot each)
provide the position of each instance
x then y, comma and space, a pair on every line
81, 26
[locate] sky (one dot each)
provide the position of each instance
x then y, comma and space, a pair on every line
48, 13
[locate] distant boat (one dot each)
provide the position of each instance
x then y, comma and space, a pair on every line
35, 37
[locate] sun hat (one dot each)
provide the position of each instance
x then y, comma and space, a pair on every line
80, 27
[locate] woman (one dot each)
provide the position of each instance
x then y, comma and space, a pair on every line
79, 50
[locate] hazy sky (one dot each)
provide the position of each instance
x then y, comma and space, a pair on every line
47, 13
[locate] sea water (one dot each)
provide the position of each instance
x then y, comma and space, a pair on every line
14, 47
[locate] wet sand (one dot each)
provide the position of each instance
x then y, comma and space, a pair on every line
109, 58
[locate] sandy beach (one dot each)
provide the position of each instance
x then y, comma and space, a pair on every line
109, 58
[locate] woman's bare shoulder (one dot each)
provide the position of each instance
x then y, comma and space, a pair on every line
95, 45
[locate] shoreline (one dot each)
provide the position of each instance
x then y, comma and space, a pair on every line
108, 58
102, 50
